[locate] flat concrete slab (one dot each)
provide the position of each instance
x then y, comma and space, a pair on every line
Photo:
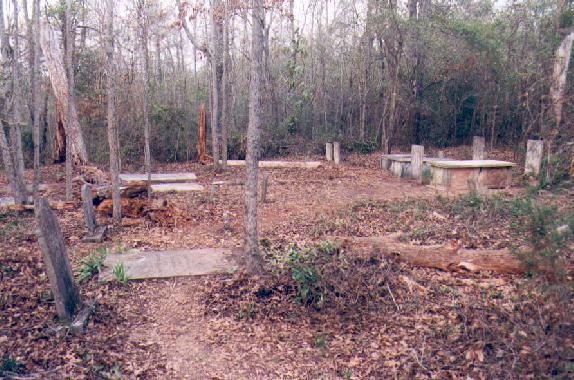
279, 164
462, 164
158, 177
176, 187
6, 201
171, 263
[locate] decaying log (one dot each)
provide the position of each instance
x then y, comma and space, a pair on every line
448, 257
53, 205
131, 207
132, 190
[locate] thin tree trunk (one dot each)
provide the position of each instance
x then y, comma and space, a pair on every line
226, 88
252, 256
16, 128
70, 100
112, 131
36, 104
16, 184
216, 79
143, 18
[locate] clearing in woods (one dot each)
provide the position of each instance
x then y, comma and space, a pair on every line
353, 315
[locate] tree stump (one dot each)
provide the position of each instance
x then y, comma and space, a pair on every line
329, 151
337, 152
53, 246
534, 149
417, 154
478, 148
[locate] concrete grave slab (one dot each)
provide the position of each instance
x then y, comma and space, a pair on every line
460, 176
172, 263
158, 177
279, 164
6, 201
176, 187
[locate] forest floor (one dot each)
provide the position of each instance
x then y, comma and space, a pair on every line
323, 311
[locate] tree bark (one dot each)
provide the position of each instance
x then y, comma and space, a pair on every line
16, 128
36, 103
112, 131
216, 78
17, 184
70, 100
59, 81
225, 110
252, 256
143, 19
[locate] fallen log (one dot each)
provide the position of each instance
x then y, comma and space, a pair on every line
448, 257
131, 207
57, 205
132, 190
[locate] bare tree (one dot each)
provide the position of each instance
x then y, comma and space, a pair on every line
36, 103
144, 31
17, 184
252, 256
59, 81
112, 128
226, 90
70, 68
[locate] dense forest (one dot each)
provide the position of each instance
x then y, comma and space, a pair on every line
286, 189
373, 74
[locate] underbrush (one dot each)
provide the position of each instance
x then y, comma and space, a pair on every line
512, 327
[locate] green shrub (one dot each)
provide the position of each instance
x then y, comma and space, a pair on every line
10, 366
91, 265
301, 263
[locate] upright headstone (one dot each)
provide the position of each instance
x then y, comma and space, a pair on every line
53, 246
478, 148
534, 149
417, 154
88, 205
329, 151
337, 152
440, 154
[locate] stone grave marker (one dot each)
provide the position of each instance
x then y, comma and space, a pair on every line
417, 156
534, 149
329, 151
337, 152
53, 246
478, 148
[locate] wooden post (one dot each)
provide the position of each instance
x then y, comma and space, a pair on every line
329, 151
417, 154
337, 152
264, 186
58, 268
88, 206
534, 149
478, 148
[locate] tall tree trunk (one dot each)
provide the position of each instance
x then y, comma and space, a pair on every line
36, 104
16, 184
16, 128
226, 85
252, 256
143, 19
70, 68
112, 129
59, 81
216, 78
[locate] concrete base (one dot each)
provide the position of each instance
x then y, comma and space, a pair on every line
158, 177
176, 187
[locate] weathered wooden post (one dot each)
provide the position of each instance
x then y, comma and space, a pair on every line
478, 148
66, 296
329, 151
534, 149
337, 152
417, 154
88, 205
264, 186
